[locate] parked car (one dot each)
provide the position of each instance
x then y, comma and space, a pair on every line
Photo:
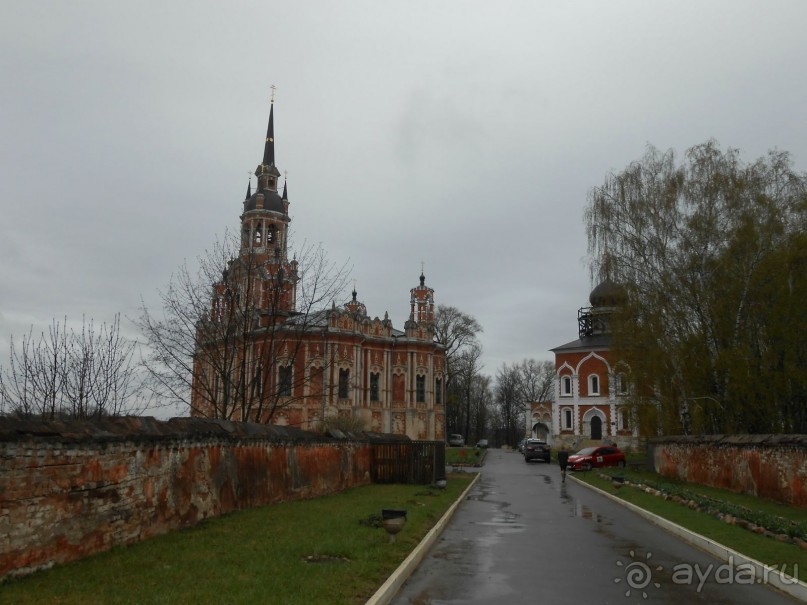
456, 440
482, 443
521, 445
537, 449
596, 457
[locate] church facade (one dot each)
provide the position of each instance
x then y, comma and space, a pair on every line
591, 387
266, 353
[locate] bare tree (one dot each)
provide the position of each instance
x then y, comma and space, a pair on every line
536, 381
18, 383
509, 402
481, 406
456, 331
77, 375
517, 386
118, 384
464, 389
51, 364
230, 342
711, 254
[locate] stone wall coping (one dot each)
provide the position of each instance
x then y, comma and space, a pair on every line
150, 429
776, 440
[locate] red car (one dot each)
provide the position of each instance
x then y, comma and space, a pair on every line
596, 457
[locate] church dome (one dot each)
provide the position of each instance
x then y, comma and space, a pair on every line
607, 294
271, 201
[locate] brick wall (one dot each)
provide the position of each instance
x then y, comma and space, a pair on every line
70, 489
767, 466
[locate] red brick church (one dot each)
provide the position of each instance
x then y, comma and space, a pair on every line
288, 365
590, 385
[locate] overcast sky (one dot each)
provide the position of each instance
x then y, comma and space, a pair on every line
462, 134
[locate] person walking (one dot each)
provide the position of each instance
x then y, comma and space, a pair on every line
563, 461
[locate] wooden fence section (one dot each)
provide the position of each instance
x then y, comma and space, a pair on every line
418, 462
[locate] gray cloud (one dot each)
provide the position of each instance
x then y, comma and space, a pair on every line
465, 135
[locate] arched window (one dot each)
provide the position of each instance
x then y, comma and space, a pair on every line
420, 391
624, 423
374, 386
622, 387
259, 382
593, 385
566, 386
344, 383
284, 381
567, 419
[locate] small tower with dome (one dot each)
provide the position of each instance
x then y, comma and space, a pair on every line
591, 386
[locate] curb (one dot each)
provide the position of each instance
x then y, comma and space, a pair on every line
393, 584
791, 586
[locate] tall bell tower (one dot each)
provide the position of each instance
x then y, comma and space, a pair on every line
264, 232
421, 300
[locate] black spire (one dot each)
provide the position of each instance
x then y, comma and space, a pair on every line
249, 190
269, 149
285, 196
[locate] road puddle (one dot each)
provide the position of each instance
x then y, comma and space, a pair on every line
504, 522
578, 509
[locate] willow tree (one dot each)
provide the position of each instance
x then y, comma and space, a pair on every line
711, 252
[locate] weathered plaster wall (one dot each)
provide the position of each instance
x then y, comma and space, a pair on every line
70, 489
768, 466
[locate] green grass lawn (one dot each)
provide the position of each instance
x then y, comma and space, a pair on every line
759, 547
320, 551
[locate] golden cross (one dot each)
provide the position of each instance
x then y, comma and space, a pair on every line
422, 266
273, 87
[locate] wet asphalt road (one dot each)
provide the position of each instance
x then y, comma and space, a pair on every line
521, 536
